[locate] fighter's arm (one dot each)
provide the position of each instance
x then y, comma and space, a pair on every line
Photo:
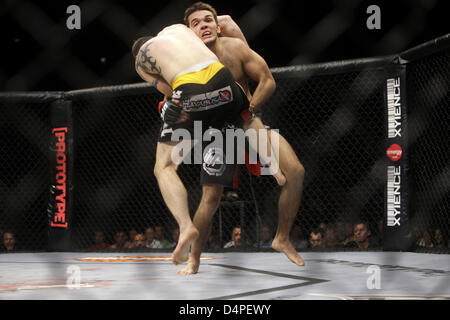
254, 65
256, 68
148, 70
156, 81
229, 28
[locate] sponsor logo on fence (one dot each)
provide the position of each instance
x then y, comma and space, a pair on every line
394, 152
394, 196
394, 108
59, 218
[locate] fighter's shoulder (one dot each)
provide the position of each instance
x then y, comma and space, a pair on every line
235, 43
172, 28
176, 25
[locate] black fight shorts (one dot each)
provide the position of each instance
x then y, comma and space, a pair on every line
215, 105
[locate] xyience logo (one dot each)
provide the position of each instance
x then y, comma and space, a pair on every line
394, 108
394, 152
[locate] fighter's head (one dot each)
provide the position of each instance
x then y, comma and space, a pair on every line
202, 19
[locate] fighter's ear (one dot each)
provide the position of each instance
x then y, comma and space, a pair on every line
218, 29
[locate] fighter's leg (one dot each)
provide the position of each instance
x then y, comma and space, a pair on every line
175, 196
209, 203
290, 199
256, 124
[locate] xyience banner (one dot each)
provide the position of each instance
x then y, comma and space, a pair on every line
395, 228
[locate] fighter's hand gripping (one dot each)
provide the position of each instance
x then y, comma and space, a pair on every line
170, 112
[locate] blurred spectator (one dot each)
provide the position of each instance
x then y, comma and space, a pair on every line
416, 234
380, 227
121, 240
9, 241
316, 239
159, 235
213, 242
236, 240
362, 237
378, 236
138, 241
329, 239
175, 233
340, 232
440, 240
99, 241
151, 242
322, 226
343, 232
349, 235
229, 195
266, 238
131, 234
297, 238
425, 241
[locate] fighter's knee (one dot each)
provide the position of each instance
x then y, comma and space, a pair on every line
159, 169
212, 195
212, 201
296, 172
300, 170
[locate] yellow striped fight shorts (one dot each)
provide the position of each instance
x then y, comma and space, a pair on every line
209, 94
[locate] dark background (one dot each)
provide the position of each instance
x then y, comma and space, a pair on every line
338, 133
40, 53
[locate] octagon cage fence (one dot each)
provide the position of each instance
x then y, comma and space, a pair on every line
73, 163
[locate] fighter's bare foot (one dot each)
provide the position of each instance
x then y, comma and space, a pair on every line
181, 252
288, 249
191, 267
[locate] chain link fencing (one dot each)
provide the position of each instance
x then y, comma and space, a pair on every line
332, 114
429, 125
25, 168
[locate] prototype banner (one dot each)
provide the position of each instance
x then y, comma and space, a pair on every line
395, 227
60, 204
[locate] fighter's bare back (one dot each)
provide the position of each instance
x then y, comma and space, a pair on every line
174, 51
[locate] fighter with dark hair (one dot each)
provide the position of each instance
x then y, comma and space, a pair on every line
233, 51
182, 68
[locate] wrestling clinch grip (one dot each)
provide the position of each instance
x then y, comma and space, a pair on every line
170, 112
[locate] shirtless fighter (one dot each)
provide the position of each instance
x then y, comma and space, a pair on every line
244, 64
182, 68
